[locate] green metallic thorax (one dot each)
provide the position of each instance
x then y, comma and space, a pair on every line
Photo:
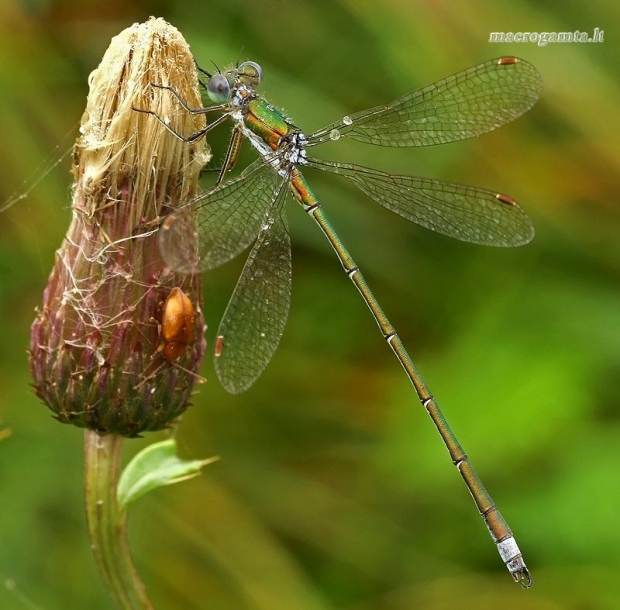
270, 124
267, 122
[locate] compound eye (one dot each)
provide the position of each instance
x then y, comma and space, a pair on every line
250, 74
218, 88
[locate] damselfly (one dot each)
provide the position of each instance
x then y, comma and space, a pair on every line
220, 223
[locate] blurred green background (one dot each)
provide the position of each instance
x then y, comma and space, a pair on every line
334, 491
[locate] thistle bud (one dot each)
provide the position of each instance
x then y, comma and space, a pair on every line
118, 340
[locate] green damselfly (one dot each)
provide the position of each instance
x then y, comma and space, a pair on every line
223, 221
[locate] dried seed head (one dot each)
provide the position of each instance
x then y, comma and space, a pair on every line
94, 355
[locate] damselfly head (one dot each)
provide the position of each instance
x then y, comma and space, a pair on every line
220, 86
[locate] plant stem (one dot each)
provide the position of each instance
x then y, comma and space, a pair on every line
107, 523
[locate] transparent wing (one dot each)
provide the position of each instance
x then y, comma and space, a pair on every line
460, 106
220, 223
254, 320
463, 212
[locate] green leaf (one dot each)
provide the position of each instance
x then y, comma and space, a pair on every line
154, 467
